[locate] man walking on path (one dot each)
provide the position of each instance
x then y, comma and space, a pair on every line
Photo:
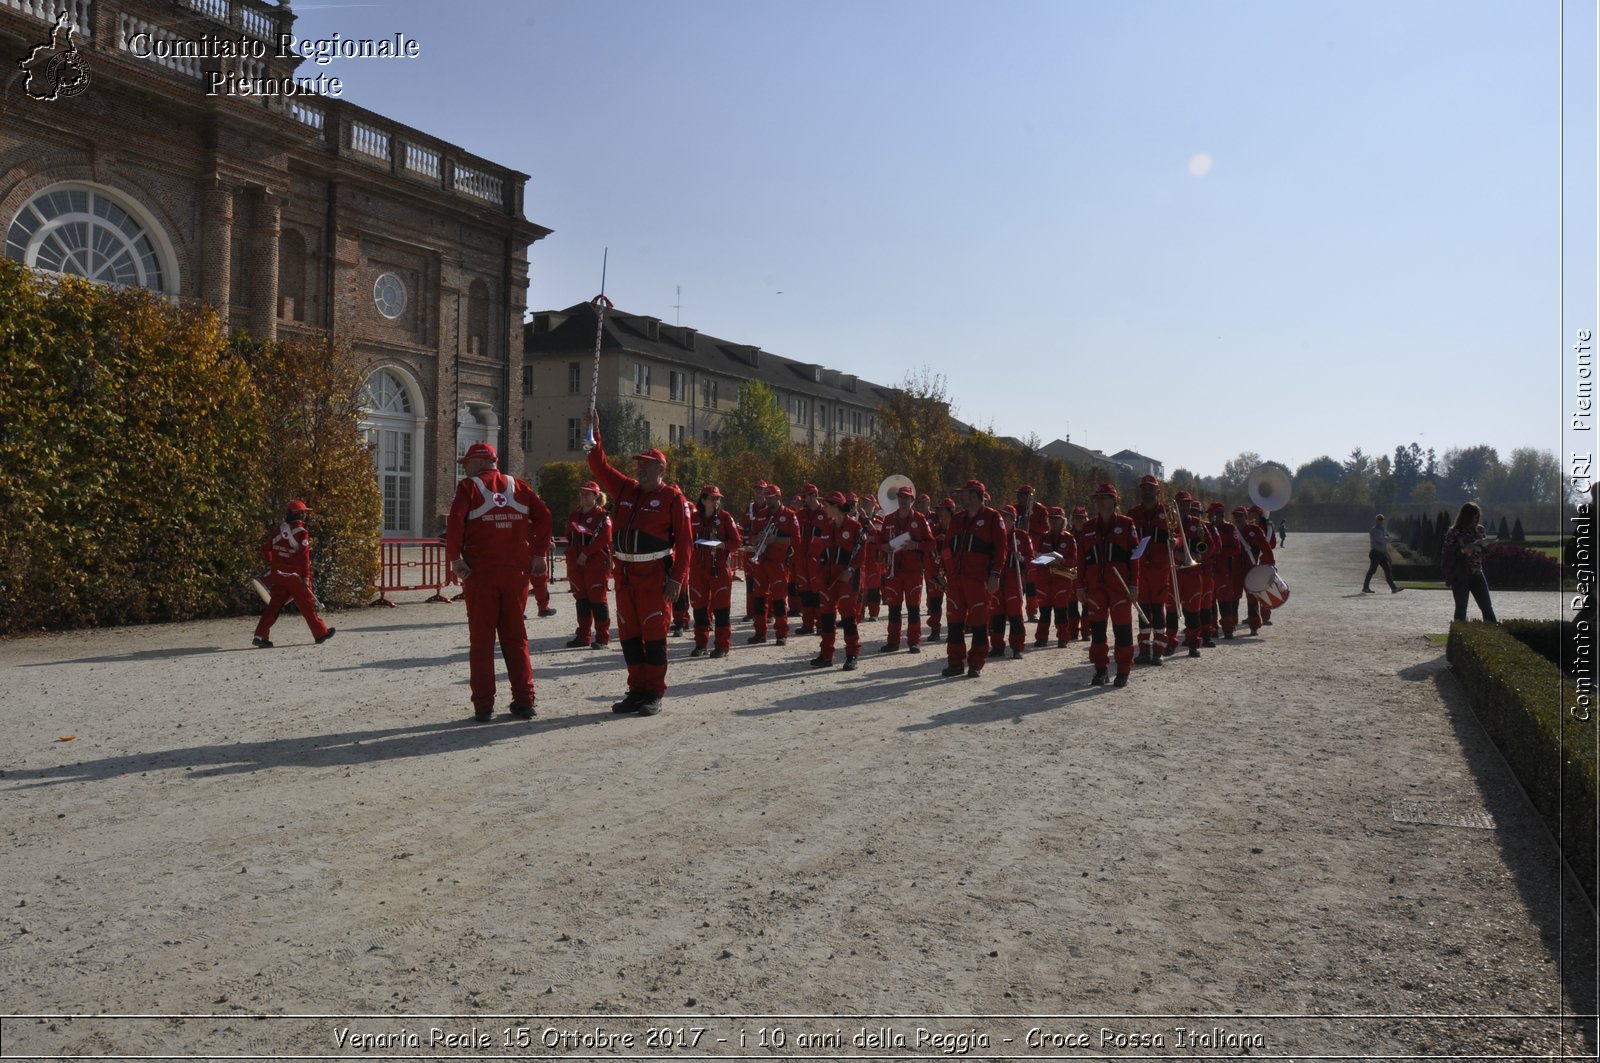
1378, 554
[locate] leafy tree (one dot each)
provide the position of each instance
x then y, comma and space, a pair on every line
691, 466
1358, 464
1237, 471
917, 434
851, 464
558, 483
1407, 470
757, 425
1324, 469
622, 431
793, 467
1533, 476
1425, 493
1466, 469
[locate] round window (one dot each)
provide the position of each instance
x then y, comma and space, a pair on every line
389, 295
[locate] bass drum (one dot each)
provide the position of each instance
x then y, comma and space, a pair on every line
1264, 582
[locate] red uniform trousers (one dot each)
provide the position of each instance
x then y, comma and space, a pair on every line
1006, 608
285, 587
840, 608
1157, 598
588, 583
541, 589
496, 597
642, 611
871, 597
770, 579
711, 596
1105, 599
1230, 585
1192, 592
968, 601
905, 588
935, 600
1058, 596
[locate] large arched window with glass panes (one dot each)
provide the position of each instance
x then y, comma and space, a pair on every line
89, 231
391, 424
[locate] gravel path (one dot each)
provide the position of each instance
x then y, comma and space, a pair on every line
1309, 823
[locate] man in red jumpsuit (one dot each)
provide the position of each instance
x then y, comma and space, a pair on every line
1058, 592
808, 518
1258, 551
975, 554
1077, 622
1268, 556
1193, 580
1033, 518
1156, 595
836, 551
865, 513
1232, 562
1009, 602
932, 569
906, 569
652, 545
288, 576
589, 567
711, 574
498, 536
1107, 585
772, 532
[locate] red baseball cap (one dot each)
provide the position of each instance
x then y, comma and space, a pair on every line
1217, 507
773, 491
1009, 510
1149, 480
1057, 511
1109, 489
653, 455
591, 487
477, 450
1256, 509
906, 492
297, 506
1025, 489
1240, 511
1080, 511
1182, 496
924, 497
809, 489
976, 485
835, 497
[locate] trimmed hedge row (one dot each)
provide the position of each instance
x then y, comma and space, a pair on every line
1507, 567
1525, 704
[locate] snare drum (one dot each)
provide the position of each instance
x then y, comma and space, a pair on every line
1264, 582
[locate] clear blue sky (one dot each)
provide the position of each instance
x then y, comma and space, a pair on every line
1013, 194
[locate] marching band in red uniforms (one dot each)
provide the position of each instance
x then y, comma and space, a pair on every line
1107, 589
975, 554
653, 545
772, 532
711, 573
589, 567
1058, 592
906, 570
836, 551
498, 536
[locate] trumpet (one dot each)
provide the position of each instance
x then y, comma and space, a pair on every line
1062, 569
759, 547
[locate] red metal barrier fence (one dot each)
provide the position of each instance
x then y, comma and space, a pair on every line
418, 565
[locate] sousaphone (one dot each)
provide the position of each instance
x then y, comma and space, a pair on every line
888, 491
1269, 487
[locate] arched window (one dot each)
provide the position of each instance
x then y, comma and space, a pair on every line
391, 427
92, 232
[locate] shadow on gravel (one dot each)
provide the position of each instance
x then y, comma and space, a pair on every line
1010, 703
1552, 897
147, 655
314, 751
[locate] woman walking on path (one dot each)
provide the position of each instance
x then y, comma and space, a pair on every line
1464, 544
1378, 554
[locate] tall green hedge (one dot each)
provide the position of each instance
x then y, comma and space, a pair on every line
1525, 703
143, 455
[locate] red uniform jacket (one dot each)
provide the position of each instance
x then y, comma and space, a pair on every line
975, 546
288, 552
645, 522
721, 526
1104, 548
1257, 537
1152, 521
1038, 521
588, 536
497, 521
1060, 542
836, 552
786, 527
908, 560
1022, 553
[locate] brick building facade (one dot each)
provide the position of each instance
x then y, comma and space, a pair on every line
294, 214
682, 381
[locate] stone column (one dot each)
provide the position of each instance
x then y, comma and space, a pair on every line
216, 228
263, 269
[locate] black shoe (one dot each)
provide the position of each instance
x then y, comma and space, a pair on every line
1170, 650
1061, 644
648, 705
698, 651
1194, 651
1121, 680
547, 612
1157, 660
953, 670
326, 635
804, 629
1033, 618
973, 671
599, 645
718, 654
1099, 679
677, 629
1266, 623
913, 649
261, 643
629, 702
1227, 634
1368, 590
849, 665
523, 712
482, 715
754, 640
1208, 644
574, 644
1392, 590
780, 642
1040, 644
889, 647
821, 662
1016, 654
1144, 655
